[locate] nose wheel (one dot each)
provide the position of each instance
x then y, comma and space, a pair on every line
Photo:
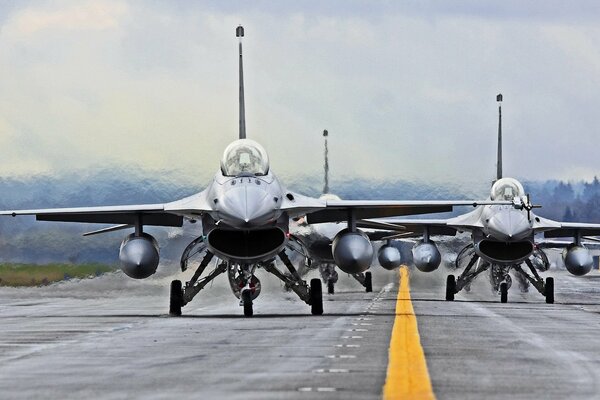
246, 299
503, 292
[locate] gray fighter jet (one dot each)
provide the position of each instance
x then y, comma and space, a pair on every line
314, 242
245, 214
503, 239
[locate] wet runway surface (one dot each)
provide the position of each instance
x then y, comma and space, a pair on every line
110, 337
478, 348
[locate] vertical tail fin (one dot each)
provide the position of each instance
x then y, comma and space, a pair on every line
499, 159
326, 187
239, 32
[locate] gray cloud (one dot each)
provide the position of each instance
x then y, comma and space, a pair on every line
406, 91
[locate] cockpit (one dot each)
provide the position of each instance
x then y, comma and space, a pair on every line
244, 157
507, 189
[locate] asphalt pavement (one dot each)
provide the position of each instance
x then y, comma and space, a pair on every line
111, 338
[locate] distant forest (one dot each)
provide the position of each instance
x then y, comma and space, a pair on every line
567, 201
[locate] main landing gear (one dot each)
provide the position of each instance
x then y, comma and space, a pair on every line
330, 277
365, 279
312, 295
244, 284
500, 277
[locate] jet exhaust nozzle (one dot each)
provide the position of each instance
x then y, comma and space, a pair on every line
139, 256
352, 251
426, 256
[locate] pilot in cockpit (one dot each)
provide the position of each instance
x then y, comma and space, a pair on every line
507, 189
244, 157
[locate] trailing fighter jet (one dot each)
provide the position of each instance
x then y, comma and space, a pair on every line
503, 238
315, 243
245, 213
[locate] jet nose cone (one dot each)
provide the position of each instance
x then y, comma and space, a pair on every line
233, 205
508, 224
247, 206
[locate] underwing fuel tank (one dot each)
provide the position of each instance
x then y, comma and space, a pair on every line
426, 256
139, 256
389, 257
352, 251
578, 260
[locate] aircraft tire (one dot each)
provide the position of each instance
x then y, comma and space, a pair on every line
368, 282
316, 297
330, 286
503, 292
450, 287
176, 299
247, 301
549, 290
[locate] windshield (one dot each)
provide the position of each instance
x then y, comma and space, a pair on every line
506, 189
243, 157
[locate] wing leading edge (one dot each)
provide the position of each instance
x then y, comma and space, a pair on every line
339, 210
150, 214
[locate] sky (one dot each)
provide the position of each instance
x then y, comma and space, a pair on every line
407, 90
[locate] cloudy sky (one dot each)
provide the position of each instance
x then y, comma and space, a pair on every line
406, 90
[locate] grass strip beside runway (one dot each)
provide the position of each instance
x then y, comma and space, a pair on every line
36, 275
407, 375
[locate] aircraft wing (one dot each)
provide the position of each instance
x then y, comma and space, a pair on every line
168, 214
319, 211
410, 227
151, 214
554, 229
561, 244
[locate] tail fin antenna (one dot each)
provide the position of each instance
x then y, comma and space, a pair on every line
326, 187
499, 160
239, 32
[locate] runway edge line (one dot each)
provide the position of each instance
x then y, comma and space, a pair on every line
407, 375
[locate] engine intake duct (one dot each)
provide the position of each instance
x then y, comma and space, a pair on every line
506, 251
246, 246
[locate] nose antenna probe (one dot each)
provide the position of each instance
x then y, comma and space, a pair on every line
239, 33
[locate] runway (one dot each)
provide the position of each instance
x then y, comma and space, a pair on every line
110, 338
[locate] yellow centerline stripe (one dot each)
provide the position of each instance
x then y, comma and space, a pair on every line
407, 375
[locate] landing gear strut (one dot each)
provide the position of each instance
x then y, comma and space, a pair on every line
181, 296
499, 277
365, 279
464, 280
329, 276
544, 288
312, 296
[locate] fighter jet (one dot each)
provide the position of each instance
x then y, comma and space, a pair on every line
314, 242
503, 239
245, 214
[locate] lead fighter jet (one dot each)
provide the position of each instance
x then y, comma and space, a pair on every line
245, 213
503, 239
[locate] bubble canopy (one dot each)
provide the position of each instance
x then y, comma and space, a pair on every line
507, 189
244, 157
